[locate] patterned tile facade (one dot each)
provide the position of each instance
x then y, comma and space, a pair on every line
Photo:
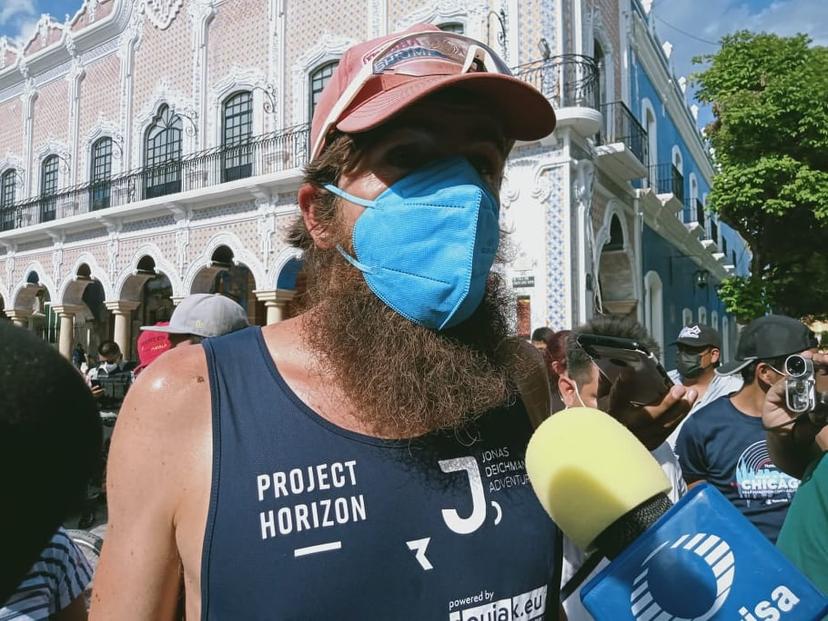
51, 114
99, 106
238, 38
241, 38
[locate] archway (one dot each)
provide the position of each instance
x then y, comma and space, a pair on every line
44, 321
31, 307
615, 271
654, 307
82, 298
227, 276
146, 298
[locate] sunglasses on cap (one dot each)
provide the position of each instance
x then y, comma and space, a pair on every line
420, 54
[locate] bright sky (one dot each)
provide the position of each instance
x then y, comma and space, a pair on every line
692, 26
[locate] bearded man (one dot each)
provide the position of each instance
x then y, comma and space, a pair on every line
364, 459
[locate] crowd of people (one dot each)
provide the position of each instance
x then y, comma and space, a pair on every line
365, 458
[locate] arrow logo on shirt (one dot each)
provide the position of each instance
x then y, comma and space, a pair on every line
419, 547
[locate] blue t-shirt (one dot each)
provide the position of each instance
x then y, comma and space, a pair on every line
727, 448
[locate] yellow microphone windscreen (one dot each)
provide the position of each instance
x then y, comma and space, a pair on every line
588, 470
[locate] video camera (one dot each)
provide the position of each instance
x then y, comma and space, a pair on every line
801, 395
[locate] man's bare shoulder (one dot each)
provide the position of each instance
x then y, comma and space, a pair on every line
171, 395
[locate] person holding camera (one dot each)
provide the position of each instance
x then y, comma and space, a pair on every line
797, 442
724, 442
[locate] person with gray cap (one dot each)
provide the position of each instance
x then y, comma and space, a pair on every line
724, 443
699, 354
200, 316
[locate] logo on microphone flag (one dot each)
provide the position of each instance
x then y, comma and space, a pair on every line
646, 601
702, 561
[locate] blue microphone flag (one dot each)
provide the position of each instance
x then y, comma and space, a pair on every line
702, 561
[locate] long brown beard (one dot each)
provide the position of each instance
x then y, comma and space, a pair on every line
403, 379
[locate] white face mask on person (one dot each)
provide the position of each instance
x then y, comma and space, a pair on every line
109, 367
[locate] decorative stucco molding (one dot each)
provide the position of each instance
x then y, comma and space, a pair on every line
329, 47
161, 13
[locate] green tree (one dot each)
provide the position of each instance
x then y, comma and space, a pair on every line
770, 137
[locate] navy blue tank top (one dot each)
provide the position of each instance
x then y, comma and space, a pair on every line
311, 521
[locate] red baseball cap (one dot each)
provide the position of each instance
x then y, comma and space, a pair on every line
526, 113
150, 345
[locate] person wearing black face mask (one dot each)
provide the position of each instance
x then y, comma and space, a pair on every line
725, 444
699, 354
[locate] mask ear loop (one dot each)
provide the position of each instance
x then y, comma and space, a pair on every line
363, 202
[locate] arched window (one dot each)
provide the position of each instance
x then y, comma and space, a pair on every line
100, 173
648, 120
48, 188
319, 78
714, 320
237, 129
600, 64
455, 27
654, 307
725, 357
616, 239
694, 212
677, 186
702, 315
686, 317
163, 154
7, 187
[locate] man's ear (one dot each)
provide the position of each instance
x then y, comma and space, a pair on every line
567, 390
308, 197
766, 374
715, 355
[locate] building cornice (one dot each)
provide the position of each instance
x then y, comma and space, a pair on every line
652, 61
71, 45
665, 223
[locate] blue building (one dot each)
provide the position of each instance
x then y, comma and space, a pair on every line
685, 250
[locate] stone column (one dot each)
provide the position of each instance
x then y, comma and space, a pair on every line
20, 317
122, 310
66, 313
275, 301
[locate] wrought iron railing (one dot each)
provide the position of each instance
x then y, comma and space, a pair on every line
699, 206
714, 230
566, 80
261, 155
620, 125
667, 179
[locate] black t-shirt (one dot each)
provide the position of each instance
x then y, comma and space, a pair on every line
727, 448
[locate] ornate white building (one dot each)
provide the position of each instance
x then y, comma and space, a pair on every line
150, 149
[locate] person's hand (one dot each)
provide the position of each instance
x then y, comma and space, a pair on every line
651, 424
97, 391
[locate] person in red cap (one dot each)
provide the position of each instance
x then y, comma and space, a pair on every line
365, 458
150, 345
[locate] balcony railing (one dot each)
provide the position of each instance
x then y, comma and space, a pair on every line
667, 179
261, 155
567, 80
620, 125
714, 230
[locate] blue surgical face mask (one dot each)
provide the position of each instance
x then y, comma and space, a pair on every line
426, 244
